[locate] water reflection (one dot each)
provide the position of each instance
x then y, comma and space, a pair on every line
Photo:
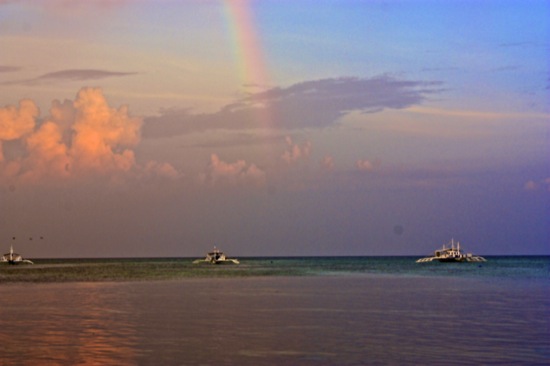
271, 321
66, 324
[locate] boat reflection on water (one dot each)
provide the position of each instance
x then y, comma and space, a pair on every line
452, 254
216, 257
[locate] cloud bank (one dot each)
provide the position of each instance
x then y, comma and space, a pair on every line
310, 104
65, 75
78, 139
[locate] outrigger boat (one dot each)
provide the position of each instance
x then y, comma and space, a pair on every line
216, 257
14, 258
452, 254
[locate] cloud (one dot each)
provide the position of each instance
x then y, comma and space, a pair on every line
364, 165
83, 74
327, 163
70, 75
81, 10
310, 104
16, 122
81, 138
534, 186
294, 151
240, 172
4, 68
530, 186
101, 133
155, 169
47, 154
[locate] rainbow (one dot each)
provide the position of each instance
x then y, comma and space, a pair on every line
248, 53
247, 49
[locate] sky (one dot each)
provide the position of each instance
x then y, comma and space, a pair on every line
274, 128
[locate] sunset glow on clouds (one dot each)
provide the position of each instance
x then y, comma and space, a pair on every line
84, 137
166, 126
364, 165
219, 171
534, 186
295, 151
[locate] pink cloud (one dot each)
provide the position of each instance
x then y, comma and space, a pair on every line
327, 163
81, 138
47, 154
534, 186
530, 186
239, 172
156, 169
364, 165
102, 133
294, 151
16, 122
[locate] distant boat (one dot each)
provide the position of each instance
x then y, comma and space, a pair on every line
14, 258
452, 254
216, 257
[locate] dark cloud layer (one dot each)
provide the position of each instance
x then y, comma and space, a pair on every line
83, 74
310, 104
5, 68
64, 75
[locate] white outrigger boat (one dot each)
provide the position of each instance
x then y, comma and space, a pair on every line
452, 254
14, 258
216, 257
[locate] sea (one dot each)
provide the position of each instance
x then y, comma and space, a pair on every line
276, 311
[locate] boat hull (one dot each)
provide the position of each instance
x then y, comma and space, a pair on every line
450, 260
221, 263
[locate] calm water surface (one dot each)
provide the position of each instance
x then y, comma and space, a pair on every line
273, 311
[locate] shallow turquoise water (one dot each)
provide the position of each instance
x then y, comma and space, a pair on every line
129, 269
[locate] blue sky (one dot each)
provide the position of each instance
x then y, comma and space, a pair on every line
141, 128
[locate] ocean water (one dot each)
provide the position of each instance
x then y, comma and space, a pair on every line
132, 269
276, 311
